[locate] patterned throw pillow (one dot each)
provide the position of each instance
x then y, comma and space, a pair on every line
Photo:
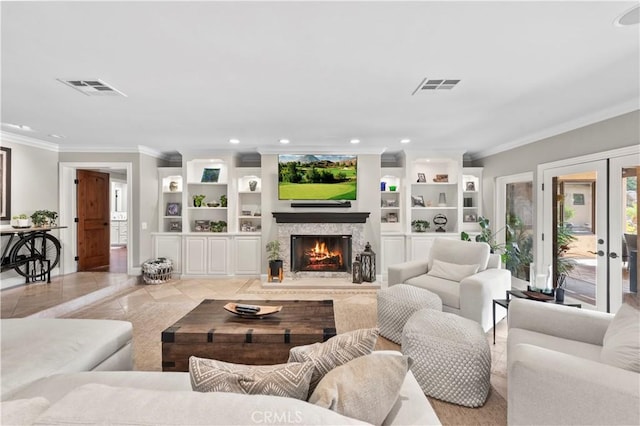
353, 391
336, 351
288, 380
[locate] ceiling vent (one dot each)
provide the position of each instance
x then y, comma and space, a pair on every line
94, 87
433, 84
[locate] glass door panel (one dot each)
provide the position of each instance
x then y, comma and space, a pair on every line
623, 228
575, 231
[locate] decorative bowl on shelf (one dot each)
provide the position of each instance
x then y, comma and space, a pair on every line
213, 204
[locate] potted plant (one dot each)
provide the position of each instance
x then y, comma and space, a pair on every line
507, 251
275, 259
218, 226
197, 200
20, 221
44, 217
223, 201
420, 225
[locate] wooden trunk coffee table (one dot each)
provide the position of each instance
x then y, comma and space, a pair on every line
209, 331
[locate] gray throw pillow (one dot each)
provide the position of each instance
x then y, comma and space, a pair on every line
288, 380
621, 343
353, 391
336, 351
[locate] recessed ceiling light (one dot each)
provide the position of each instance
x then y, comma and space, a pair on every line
630, 17
57, 136
284, 141
234, 141
355, 141
405, 140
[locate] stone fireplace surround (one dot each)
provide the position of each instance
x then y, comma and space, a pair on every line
322, 224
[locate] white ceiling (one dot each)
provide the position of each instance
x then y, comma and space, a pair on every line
318, 73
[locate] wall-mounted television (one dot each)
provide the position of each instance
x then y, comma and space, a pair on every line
317, 177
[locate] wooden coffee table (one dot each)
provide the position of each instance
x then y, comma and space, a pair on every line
209, 331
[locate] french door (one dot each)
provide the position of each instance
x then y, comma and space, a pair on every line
587, 209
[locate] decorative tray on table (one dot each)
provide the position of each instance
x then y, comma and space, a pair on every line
251, 311
537, 295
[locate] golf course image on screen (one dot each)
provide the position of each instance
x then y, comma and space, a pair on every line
317, 177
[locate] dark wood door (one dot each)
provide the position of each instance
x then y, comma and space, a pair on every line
93, 219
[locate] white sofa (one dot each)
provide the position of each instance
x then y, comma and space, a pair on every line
557, 372
145, 397
54, 371
463, 292
32, 348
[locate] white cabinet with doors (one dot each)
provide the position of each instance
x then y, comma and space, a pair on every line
170, 247
206, 255
392, 252
247, 254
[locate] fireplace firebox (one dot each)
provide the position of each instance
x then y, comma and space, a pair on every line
321, 253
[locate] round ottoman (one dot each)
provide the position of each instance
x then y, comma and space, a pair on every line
451, 357
397, 303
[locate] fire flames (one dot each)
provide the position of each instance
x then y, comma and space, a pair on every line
320, 255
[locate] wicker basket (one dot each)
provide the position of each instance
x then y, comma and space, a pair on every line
157, 271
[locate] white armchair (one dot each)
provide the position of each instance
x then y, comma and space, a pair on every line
563, 365
463, 274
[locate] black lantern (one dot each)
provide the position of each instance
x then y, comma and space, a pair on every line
356, 270
368, 260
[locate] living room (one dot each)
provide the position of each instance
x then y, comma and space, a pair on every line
314, 91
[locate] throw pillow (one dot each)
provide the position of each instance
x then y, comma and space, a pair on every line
336, 351
22, 411
289, 380
452, 271
365, 388
621, 343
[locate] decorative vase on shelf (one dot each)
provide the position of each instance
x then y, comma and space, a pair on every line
253, 184
442, 200
383, 186
173, 186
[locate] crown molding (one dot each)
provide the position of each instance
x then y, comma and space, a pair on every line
28, 141
567, 126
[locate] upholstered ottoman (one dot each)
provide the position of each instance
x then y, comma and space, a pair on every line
397, 303
451, 356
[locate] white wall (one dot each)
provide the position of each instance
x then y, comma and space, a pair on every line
617, 132
34, 186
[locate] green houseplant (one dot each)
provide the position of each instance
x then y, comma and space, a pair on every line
275, 259
507, 251
197, 200
420, 225
44, 217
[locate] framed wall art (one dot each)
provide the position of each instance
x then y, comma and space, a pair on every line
421, 178
173, 209
5, 183
417, 201
210, 175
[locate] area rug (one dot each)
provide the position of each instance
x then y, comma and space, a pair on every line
352, 309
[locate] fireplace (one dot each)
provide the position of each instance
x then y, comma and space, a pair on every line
321, 253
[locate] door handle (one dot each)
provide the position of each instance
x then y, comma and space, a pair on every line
600, 253
105, 224
600, 241
613, 255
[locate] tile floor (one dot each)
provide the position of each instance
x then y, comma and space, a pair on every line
118, 296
